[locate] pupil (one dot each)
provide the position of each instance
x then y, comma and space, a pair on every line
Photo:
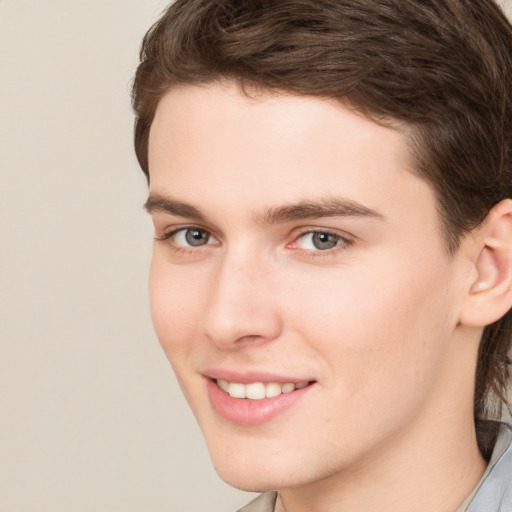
196, 237
324, 241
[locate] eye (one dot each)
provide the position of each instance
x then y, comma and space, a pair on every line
319, 241
190, 237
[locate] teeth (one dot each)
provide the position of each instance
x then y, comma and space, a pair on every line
255, 391
288, 388
236, 390
258, 390
223, 384
273, 389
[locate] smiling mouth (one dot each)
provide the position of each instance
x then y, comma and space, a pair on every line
259, 390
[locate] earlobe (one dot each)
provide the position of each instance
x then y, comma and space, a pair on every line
490, 293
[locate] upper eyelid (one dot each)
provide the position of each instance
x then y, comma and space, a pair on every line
172, 230
330, 231
170, 221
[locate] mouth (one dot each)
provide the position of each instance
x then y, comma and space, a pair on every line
259, 390
257, 402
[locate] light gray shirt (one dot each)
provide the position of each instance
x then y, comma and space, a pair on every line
493, 493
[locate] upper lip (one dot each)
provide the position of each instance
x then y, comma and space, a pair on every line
249, 376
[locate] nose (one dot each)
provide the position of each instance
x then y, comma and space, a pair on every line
242, 306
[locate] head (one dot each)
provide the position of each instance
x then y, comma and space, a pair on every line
437, 73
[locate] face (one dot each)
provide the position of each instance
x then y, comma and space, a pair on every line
299, 284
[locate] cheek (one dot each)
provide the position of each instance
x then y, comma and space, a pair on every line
378, 338
175, 300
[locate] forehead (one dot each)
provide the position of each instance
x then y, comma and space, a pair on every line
212, 142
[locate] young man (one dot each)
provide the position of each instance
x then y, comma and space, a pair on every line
330, 185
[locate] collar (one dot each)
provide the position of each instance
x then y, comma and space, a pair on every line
493, 492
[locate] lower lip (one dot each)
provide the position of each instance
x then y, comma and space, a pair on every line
244, 411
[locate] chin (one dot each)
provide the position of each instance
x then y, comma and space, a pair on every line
261, 470
249, 484
246, 470
252, 479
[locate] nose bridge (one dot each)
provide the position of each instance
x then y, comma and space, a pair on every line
242, 304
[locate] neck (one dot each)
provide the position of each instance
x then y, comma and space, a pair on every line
424, 478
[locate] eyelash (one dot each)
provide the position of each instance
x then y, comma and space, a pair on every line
344, 242
182, 250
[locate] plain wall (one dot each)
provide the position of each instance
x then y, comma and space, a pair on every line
91, 418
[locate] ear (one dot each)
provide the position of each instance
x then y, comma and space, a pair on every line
490, 291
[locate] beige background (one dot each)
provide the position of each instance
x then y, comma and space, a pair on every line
91, 418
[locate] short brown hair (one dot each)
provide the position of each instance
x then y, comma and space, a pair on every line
443, 68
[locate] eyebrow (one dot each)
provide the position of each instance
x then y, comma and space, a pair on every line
302, 210
159, 203
326, 207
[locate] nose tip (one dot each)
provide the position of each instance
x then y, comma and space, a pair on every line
232, 334
242, 309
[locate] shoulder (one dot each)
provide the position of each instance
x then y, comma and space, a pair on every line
494, 492
263, 503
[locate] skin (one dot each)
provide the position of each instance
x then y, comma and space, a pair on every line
374, 321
